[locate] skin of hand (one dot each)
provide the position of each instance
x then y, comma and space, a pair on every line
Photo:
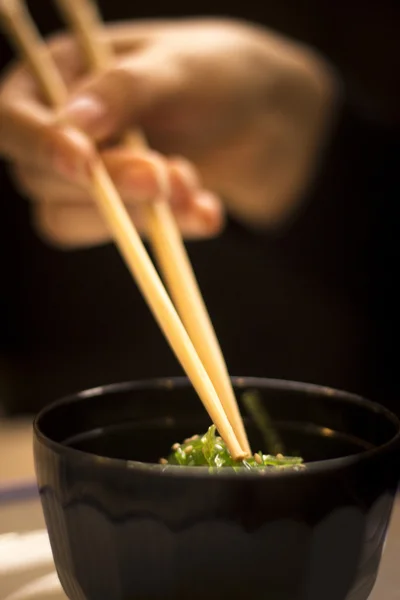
237, 117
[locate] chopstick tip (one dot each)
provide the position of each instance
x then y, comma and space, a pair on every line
240, 455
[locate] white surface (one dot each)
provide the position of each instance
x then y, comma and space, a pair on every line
45, 587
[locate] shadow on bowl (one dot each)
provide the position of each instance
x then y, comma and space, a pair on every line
121, 528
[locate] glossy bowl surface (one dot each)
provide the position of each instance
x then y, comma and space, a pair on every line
121, 528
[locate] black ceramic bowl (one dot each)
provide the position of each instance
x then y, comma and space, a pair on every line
124, 530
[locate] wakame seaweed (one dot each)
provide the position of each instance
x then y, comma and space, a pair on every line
209, 450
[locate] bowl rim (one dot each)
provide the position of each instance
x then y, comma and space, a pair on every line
169, 383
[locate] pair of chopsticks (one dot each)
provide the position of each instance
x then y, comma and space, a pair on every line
189, 333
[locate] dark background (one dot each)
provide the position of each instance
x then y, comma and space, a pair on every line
317, 301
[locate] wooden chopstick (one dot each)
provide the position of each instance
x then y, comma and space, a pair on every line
23, 33
168, 247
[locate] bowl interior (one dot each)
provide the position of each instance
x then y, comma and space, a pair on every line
141, 421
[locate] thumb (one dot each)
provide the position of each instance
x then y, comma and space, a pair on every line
111, 102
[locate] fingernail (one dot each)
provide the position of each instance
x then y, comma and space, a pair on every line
71, 155
87, 113
147, 179
207, 202
186, 171
139, 182
75, 170
63, 166
210, 209
65, 163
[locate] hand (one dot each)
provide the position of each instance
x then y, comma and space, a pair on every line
248, 111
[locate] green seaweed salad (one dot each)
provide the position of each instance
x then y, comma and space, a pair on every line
209, 450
